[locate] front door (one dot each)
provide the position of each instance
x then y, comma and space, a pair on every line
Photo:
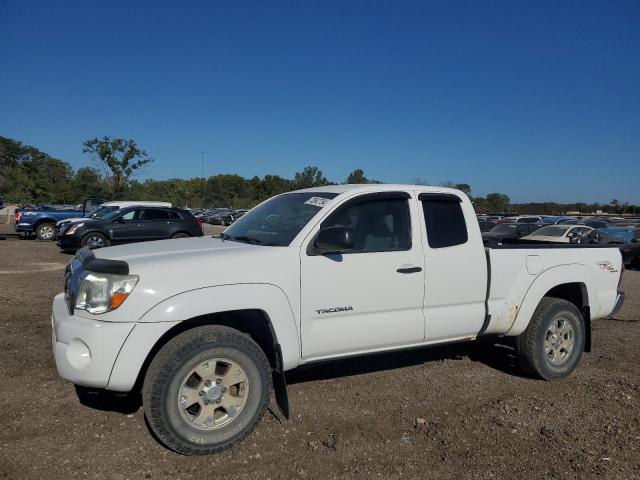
371, 297
126, 227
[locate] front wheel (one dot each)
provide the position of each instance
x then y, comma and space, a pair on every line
206, 389
181, 235
552, 344
94, 240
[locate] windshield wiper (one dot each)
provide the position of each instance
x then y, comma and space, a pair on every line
244, 238
223, 236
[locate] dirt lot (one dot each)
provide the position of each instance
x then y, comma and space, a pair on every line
478, 417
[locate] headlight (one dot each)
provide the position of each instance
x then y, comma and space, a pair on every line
73, 228
103, 292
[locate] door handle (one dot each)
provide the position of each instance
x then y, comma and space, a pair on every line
409, 270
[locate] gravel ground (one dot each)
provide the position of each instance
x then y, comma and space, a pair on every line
460, 411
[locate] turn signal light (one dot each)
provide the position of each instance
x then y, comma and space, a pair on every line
117, 298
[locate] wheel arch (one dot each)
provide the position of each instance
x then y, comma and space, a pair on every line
39, 221
269, 322
569, 282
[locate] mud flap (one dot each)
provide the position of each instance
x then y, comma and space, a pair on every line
280, 384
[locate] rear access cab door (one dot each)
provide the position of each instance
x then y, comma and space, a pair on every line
456, 269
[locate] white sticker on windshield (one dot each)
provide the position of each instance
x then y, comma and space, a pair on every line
317, 201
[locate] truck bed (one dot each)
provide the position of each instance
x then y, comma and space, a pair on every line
520, 271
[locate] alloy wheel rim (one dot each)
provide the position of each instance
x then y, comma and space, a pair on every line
46, 232
559, 341
213, 393
95, 242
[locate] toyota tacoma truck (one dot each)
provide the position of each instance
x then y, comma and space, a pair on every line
204, 328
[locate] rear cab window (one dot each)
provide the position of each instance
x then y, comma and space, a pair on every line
444, 220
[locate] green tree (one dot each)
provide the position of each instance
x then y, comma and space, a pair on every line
310, 177
87, 182
615, 204
28, 175
357, 176
497, 202
119, 158
465, 187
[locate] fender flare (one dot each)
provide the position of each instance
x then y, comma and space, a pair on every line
38, 220
558, 275
158, 320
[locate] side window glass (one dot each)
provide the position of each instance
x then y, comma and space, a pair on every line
152, 214
378, 225
444, 220
127, 217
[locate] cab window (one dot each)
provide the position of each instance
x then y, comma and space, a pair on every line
444, 220
378, 225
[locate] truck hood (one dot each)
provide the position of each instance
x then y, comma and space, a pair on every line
143, 254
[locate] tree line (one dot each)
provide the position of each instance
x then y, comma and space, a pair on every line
30, 176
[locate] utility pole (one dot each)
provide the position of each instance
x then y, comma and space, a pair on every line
203, 182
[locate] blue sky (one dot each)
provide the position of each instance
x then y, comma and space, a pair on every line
540, 100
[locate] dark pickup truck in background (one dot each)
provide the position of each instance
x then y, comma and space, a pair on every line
42, 220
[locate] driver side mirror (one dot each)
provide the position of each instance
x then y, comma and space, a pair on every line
333, 240
119, 220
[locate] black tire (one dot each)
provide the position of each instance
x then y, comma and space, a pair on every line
166, 373
46, 231
533, 343
94, 240
180, 235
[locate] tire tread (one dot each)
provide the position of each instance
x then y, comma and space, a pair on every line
529, 358
174, 352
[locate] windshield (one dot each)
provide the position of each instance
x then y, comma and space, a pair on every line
551, 231
277, 221
101, 212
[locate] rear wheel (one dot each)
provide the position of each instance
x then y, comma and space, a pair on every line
46, 231
94, 240
181, 235
206, 389
552, 344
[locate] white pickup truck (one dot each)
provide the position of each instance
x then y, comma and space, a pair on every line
205, 327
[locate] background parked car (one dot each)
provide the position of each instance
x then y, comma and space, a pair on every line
593, 222
559, 234
486, 225
233, 216
504, 231
557, 219
625, 238
218, 218
132, 224
108, 207
521, 219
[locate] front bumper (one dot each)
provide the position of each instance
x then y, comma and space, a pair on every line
67, 242
618, 304
85, 350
